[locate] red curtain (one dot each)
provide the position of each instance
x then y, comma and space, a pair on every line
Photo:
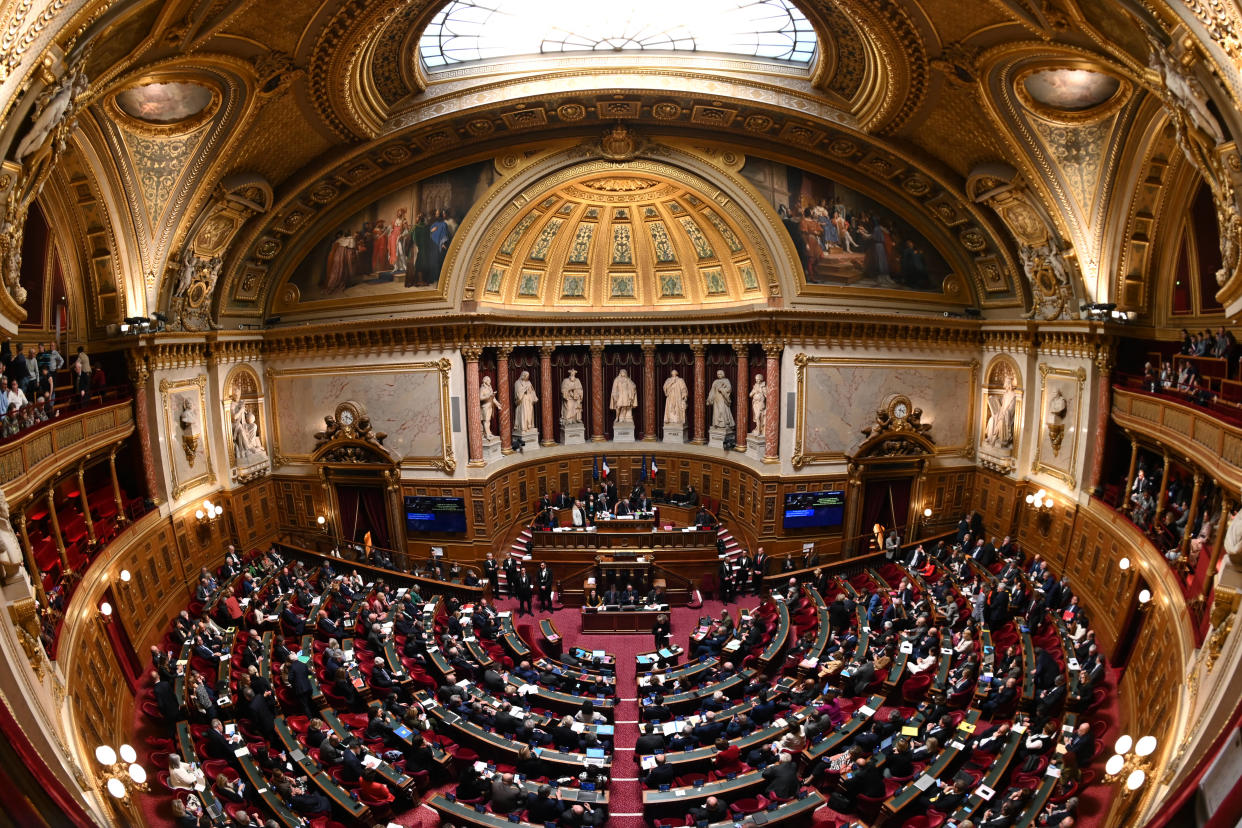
362, 510
886, 502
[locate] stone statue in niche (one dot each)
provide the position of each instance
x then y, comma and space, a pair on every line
1058, 406
571, 398
524, 399
1233, 539
675, 394
489, 404
1002, 409
188, 424
758, 405
10, 548
720, 397
247, 445
624, 397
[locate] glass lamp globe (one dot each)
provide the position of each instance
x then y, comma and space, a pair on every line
116, 787
927, 513
1123, 564
321, 520
1124, 743
1030, 499
219, 511
125, 576
199, 514
1114, 764
106, 609
105, 755
1135, 780
137, 773
1145, 746
128, 754
1144, 596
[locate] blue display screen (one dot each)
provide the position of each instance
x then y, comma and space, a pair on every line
435, 514
812, 510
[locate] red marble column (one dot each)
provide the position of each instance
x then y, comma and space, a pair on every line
140, 375
505, 395
598, 429
772, 418
649, 392
474, 425
1103, 404
700, 393
547, 404
742, 394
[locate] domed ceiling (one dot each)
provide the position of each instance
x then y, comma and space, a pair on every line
623, 240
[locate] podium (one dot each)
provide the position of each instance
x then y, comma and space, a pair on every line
624, 566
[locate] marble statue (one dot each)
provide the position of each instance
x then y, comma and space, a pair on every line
10, 548
1058, 407
758, 404
246, 443
1233, 539
1001, 412
189, 430
571, 398
675, 394
51, 113
1184, 90
488, 405
719, 397
524, 399
624, 397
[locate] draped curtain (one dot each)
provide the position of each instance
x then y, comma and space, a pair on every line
886, 502
363, 510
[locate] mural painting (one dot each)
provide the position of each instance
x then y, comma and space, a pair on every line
843, 237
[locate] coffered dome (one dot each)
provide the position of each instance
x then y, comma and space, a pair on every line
624, 239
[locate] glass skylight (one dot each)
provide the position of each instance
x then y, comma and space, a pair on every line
472, 30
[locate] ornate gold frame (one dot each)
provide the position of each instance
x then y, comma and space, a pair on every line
167, 389
1038, 465
802, 361
170, 75
445, 462
1084, 116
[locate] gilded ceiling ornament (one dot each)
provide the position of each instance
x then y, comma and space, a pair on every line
276, 72
189, 309
620, 185
757, 123
480, 127
959, 63
571, 112
666, 111
842, 148
972, 239
619, 144
916, 185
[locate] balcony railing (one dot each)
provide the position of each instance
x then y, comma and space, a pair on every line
1208, 438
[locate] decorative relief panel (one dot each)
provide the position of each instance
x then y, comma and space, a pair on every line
1060, 412
185, 429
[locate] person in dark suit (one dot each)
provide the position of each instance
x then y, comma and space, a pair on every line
661, 630
656, 711
946, 800
782, 778
862, 677
708, 730
864, 779
545, 581
1081, 743
351, 764
544, 806
613, 596
216, 744
661, 774
522, 588
629, 596
342, 686
649, 743
491, 571
300, 685
256, 709
760, 570
1000, 699
166, 698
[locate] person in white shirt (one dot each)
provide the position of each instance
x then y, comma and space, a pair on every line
182, 776
16, 396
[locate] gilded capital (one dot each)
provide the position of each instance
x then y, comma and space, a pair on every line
471, 353
545, 351
772, 349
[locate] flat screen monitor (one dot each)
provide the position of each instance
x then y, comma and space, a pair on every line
435, 515
814, 510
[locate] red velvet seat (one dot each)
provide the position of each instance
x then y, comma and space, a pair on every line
749, 805
868, 807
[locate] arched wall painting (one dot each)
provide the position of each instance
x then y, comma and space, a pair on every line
843, 237
396, 245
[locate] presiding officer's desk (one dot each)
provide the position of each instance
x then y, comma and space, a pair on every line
637, 620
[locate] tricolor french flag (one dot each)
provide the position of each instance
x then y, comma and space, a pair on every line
604, 466
654, 469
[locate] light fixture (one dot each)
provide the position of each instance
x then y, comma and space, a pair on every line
121, 773
209, 512
125, 576
1040, 501
927, 512
105, 611
1123, 564
321, 520
1129, 765
1144, 597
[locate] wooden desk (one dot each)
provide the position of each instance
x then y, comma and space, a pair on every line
938, 769
620, 621
185, 743
622, 524
845, 732
679, 800
258, 786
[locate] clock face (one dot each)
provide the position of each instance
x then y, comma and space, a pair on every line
347, 417
900, 411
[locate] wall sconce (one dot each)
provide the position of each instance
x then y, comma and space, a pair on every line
927, 513
1040, 501
105, 612
121, 773
209, 513
1123, 564
125, 577
323, 523
1129, 762
1144, 600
